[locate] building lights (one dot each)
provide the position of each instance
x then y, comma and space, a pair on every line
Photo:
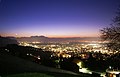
85, 70
69, 48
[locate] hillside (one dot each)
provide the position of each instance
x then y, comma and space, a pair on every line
14, 65
7, 40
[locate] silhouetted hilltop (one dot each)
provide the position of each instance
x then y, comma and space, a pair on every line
7, 40
39, 37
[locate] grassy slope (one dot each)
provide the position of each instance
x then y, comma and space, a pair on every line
44, 75
14, 65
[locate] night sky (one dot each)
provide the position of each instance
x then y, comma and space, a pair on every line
56, 18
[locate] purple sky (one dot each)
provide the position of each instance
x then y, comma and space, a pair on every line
55, 18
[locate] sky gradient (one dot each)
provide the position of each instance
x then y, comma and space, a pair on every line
55, 18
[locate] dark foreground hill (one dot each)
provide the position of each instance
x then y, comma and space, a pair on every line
14, 65
7, 40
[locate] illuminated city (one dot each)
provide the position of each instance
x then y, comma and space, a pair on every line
59, 38
69, 48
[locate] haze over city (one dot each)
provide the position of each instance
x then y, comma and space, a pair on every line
55, 18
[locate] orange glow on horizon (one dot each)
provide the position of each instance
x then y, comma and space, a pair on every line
52, 36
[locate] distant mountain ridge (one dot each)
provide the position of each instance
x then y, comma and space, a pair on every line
48, 39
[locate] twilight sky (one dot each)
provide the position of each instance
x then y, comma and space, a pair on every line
55, 18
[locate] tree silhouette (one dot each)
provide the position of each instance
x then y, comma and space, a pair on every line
112, 33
